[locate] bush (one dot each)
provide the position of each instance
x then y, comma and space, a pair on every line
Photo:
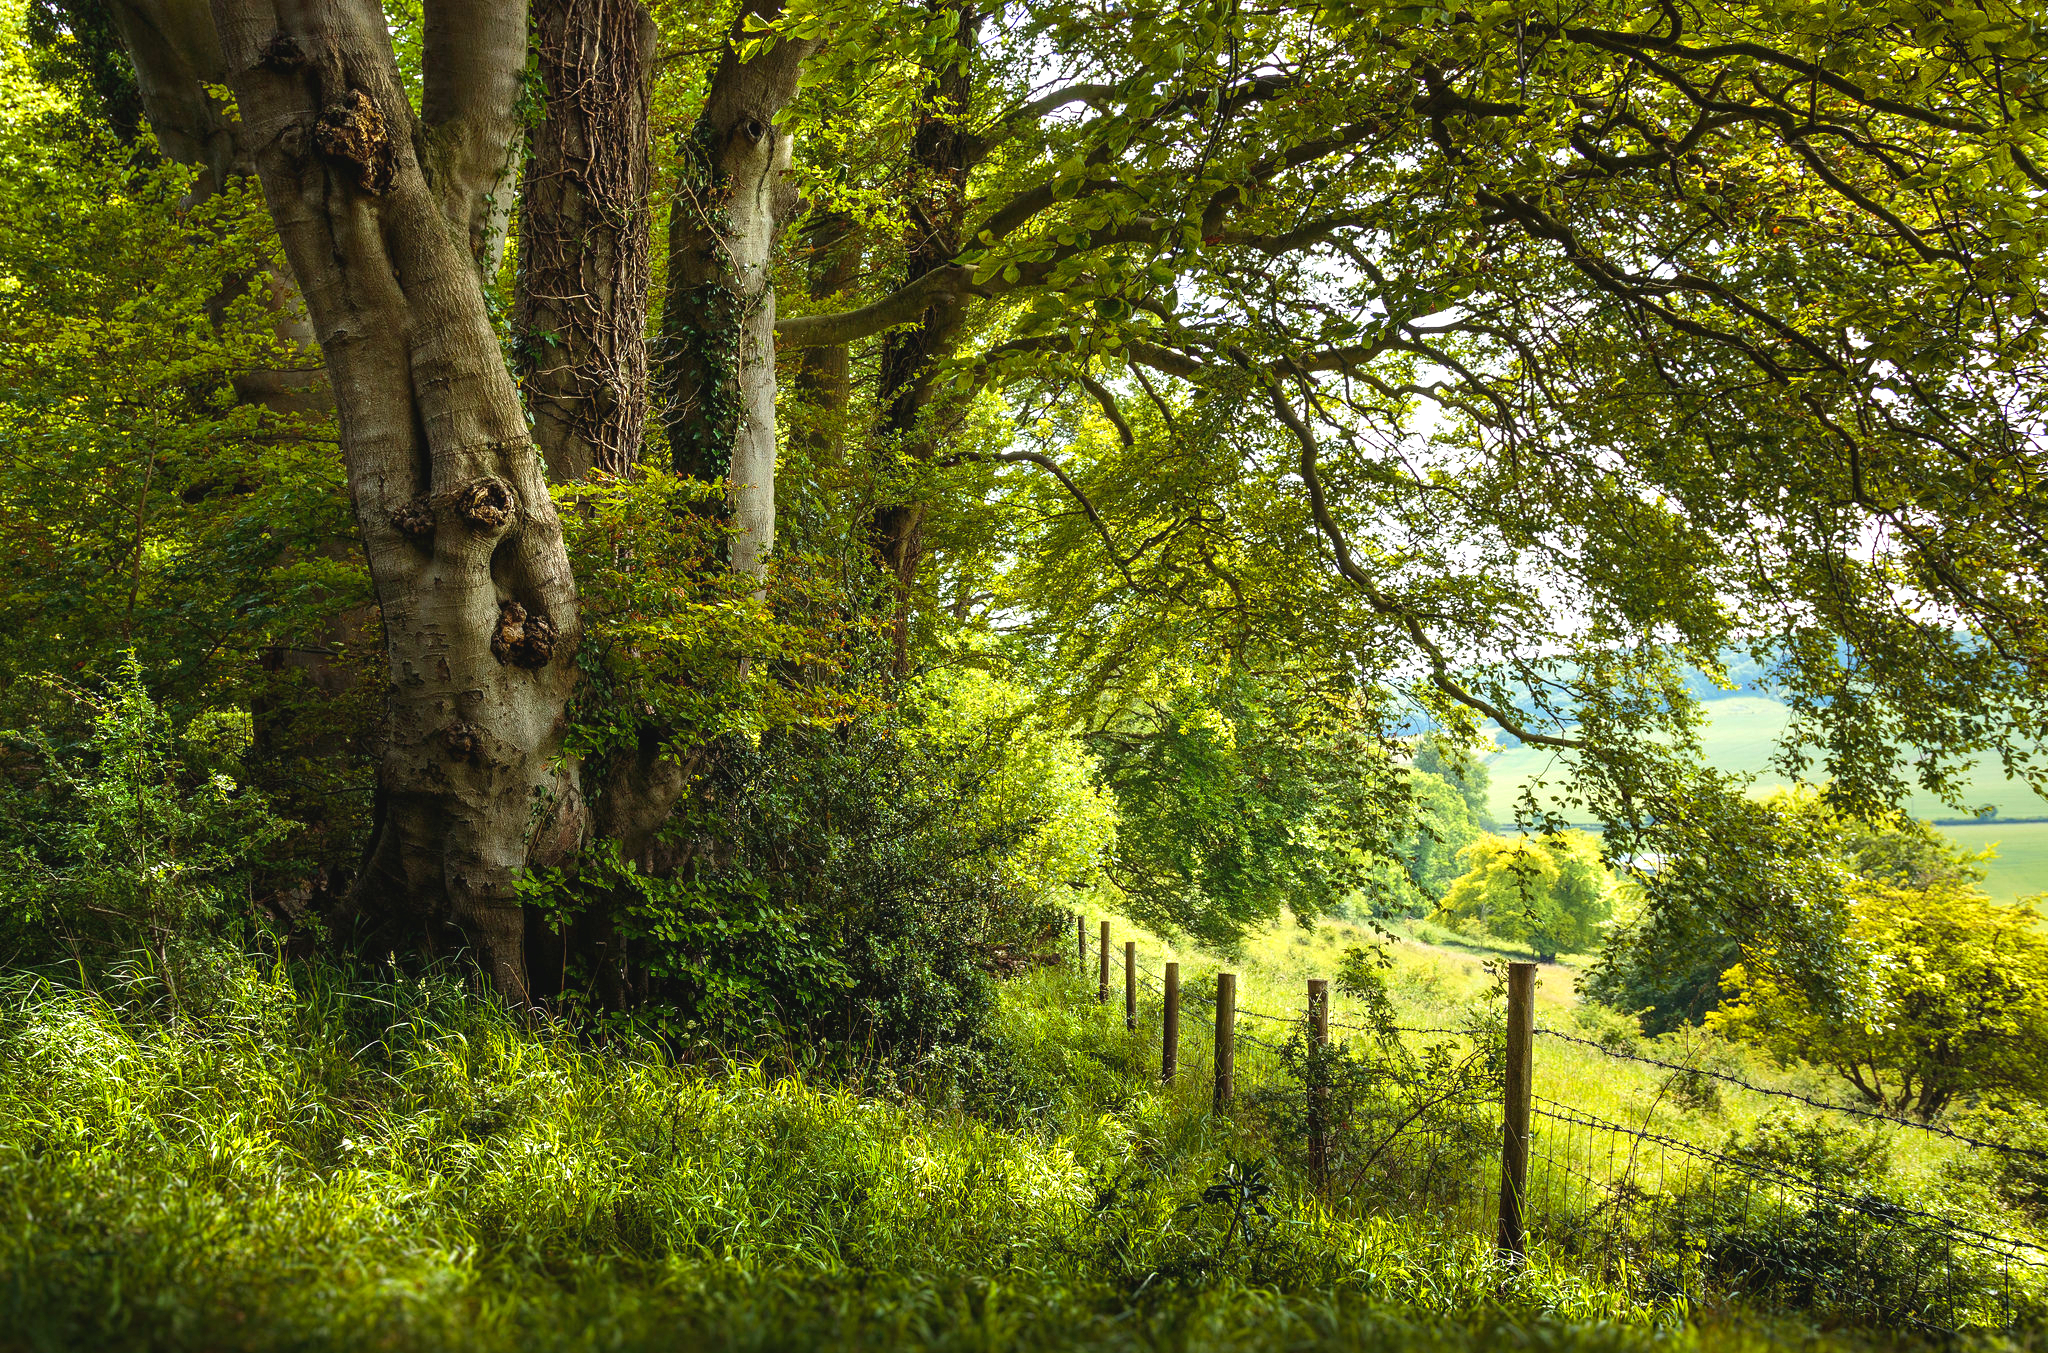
134, 838
1663, 968
860, 884
2018, 1177
1666, 962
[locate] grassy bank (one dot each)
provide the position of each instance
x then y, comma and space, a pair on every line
314, 1162
1437, 978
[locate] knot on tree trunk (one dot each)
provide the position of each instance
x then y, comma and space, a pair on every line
522, 640
351, 132
415, 518
282, 52
465, 741
486, 504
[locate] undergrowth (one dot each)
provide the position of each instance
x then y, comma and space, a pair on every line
314, 1160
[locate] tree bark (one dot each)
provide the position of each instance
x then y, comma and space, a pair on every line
824, 374
464, 547
942, 153
474, 62
581, 309
717, 350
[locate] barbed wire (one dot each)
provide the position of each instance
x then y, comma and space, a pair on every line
1195, 996
1246, 1036
1192, 994
1720, 1165
1935, 1128
1884, 1209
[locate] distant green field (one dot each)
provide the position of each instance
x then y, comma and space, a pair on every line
2022, 864
1742, 733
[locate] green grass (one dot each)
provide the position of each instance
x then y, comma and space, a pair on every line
1439, 975
314, 1163
2021, 866
1740, 737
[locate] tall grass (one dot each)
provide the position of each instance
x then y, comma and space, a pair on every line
1435, 986
315, 1160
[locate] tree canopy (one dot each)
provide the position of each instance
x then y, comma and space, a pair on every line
1258, 388
1552, 892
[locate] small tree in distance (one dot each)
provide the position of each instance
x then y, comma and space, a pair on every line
1952, 1000
1550, 892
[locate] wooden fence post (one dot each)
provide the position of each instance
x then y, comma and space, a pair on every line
1102, 990
1081, 942
1169, 1044
1226, 1038
1318, 1086
1514, 1149
1130, 984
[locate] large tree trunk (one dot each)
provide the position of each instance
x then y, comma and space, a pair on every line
464, 547
942, 153
475, 62
581, 311
718, 326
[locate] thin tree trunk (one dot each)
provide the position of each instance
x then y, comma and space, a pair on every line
942, 153
464, 547
824, 374
581, 310
474, 64
717, 350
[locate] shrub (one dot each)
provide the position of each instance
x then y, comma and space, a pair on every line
126, 841
1951, 997
1665, 962
2017, 1177
861, 884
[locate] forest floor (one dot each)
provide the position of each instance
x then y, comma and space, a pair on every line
312, 1160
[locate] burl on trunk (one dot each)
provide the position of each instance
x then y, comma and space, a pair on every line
463, 544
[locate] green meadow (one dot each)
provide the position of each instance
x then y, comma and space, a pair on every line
1741, 736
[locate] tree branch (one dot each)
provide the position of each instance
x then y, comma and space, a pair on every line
1109, 406
902, 306
1347, 564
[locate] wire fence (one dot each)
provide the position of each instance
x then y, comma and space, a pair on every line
1847, 1110
1422, 1123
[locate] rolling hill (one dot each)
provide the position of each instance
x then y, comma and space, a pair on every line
1741, 734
